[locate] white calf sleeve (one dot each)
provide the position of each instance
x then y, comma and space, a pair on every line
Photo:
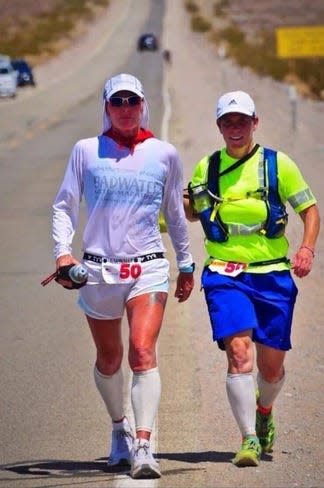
111, 391
241, 395
268, 391
145, 396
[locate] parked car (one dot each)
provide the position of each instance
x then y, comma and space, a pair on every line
8, 78
147, 42
4, 58
24, 72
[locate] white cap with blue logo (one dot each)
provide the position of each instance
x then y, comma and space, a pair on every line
235, 102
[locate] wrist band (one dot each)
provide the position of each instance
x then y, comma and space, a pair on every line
309, 249
188, 269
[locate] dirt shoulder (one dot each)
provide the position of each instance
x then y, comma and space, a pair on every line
24, 10
44, 30
253, 17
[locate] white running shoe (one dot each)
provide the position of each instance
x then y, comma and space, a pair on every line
121, 445
143, 464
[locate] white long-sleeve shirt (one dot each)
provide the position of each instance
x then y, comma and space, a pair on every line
124, 191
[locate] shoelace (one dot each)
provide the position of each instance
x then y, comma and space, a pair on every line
145, 448
123, 435
250, 444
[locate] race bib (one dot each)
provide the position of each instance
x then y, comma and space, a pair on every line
118, 273
227, 267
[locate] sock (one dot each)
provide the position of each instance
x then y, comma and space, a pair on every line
268, 391
145, 396
241, 395
121, 425
111, 391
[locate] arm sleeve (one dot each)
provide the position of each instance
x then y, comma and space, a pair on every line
173, 210
67, 203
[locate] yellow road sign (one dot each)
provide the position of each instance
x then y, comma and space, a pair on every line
299, 42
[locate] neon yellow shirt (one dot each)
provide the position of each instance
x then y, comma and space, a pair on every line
242, 205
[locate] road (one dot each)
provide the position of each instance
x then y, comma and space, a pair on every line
54, 428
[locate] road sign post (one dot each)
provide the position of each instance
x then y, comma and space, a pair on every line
292, 93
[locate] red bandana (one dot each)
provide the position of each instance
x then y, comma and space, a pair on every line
129, 142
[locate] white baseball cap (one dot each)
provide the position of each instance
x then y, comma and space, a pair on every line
127, 82
121, 82
235, 102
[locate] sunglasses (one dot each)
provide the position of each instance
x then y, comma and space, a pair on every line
133, 100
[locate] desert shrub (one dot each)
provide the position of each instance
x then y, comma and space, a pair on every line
219, 8
200, 24
28, 37
233, 35
260, 55
191, 6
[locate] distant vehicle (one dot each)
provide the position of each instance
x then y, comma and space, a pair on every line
8, 78
4, 58
147, 42
24, 72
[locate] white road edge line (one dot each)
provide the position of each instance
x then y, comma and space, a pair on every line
167, 106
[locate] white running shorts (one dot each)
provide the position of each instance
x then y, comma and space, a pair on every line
105, 301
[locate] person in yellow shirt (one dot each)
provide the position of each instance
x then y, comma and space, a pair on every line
247, 281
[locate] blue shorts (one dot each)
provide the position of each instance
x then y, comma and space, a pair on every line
262, 302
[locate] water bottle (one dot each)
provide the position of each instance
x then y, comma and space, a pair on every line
78, 273
201, 199
215, 230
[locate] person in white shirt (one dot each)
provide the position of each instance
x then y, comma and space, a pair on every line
127, 177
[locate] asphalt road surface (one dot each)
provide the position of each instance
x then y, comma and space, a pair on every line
54, 430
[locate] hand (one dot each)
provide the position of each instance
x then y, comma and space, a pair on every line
190, 213
185, 284
302, 262
65, 260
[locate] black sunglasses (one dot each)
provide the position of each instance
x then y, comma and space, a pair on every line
133, 100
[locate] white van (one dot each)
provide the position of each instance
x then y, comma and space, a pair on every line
8, 78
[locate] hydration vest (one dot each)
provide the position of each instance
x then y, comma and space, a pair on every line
215, 229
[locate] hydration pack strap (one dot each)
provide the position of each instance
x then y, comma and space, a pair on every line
271, 174
214, 174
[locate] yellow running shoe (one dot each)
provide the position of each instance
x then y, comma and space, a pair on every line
265, 429
250, 452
